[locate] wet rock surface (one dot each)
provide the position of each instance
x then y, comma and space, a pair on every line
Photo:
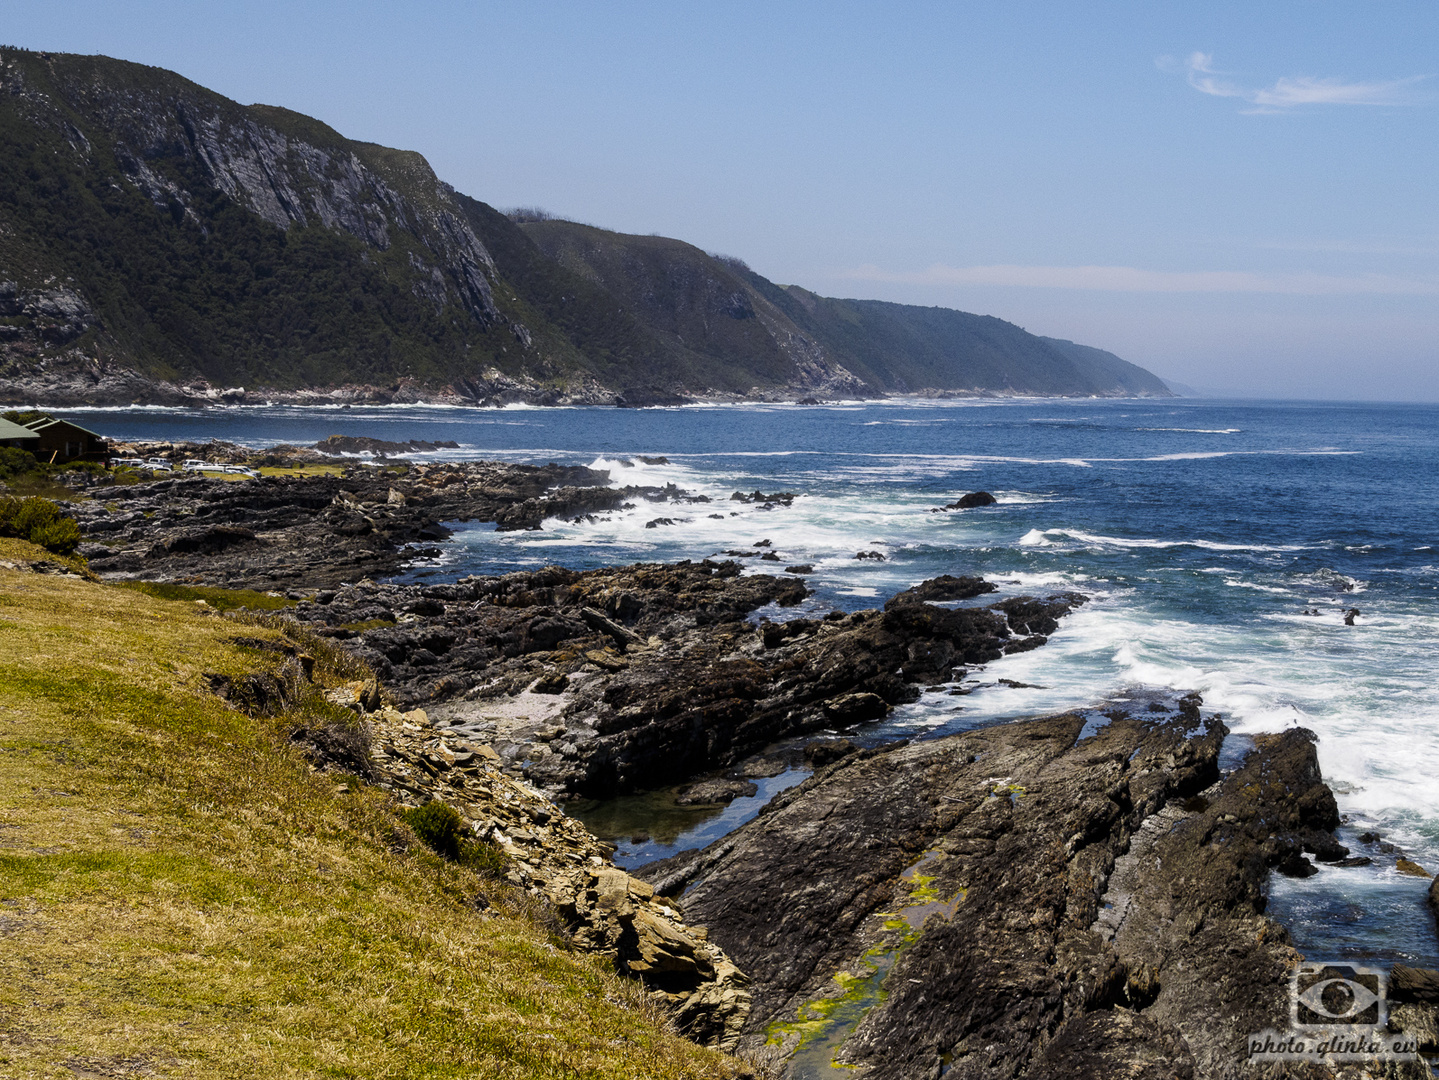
1017, 902
602, 682
308, 532
719, 790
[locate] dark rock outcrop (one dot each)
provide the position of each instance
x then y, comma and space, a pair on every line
361, 444
606, 681
942, 588
1014, 902
262, 533
973, 499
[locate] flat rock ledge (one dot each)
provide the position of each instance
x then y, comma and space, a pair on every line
1021, 901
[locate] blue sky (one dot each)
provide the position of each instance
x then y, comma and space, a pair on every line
1242, 196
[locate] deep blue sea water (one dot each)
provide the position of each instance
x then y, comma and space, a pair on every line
1203, 531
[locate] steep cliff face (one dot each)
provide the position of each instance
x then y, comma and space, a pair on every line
150, 223
161, 243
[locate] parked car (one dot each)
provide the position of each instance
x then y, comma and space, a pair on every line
126, 463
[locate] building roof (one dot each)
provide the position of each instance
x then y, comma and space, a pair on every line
40, 425
10, 431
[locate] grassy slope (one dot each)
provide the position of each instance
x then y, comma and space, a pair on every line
176, 888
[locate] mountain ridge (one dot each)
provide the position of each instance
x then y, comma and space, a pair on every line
160, 243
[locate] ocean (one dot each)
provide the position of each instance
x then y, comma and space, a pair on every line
1221, 544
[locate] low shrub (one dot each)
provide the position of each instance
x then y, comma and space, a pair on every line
15, 463
39, 521
438, 826
442, 830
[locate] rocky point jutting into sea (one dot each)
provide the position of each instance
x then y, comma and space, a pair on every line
1081, 894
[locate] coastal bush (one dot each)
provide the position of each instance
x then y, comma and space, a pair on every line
15, 463
441, 829
39, 521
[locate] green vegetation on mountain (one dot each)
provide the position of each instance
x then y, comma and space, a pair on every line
716, 311
160, 241
180, 895
698, 308
107, 186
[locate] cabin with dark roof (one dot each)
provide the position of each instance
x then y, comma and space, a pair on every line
61, 440
17, 436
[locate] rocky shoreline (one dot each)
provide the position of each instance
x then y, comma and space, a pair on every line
1044, 900
602, 682
262, 533
68, 379
1077, 895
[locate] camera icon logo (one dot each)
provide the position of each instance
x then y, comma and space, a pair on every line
1329, 995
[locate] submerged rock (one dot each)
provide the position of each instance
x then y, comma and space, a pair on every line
706, 792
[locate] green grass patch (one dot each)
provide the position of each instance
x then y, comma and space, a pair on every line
217, 598
301, 470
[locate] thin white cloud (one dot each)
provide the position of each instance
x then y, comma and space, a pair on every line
1136, 280
1292, 92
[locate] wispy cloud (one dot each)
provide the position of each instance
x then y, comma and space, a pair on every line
1293, 91
1137, 280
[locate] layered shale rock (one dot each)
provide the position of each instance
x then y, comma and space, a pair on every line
1046, 898
555, 859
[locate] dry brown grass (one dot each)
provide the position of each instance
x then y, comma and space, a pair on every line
180, 896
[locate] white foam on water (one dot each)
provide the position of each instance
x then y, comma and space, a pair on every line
1052, 537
